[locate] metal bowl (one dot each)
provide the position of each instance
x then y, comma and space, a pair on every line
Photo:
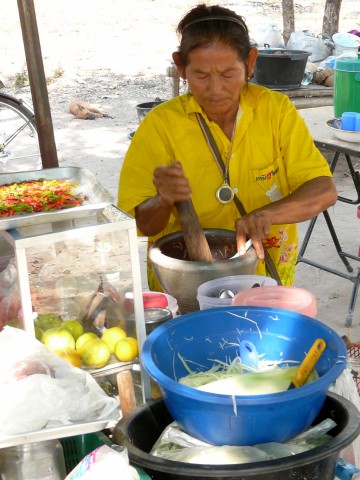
180, 277
344, 135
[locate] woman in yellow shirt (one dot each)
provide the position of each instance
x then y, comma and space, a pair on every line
271, 162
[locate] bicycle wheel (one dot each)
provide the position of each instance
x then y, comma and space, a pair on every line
19, 146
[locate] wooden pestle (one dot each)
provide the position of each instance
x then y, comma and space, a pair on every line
196, 244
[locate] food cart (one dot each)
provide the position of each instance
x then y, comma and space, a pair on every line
62, 241
62, 257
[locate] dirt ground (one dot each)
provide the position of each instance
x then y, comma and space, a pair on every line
115, 55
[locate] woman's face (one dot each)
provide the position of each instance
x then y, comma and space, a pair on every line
216, 75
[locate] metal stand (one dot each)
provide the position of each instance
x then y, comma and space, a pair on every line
355, 279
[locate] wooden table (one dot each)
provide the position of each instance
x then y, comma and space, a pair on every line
310, 96
316, 118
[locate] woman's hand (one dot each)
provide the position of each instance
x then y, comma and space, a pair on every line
310, 199
255, 225
152, 215
171, 184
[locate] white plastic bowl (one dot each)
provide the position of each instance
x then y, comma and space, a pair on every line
208, 293
348, 40
344, 135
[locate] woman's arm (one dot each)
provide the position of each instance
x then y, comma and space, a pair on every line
152, 216
172, 186
307, 201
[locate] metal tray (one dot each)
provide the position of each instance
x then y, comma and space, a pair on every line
98, 197
54, 432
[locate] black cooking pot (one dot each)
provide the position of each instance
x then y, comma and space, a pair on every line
139, 431
143, 108
280, 68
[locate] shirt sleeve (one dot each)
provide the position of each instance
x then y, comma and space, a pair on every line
148, 149
303, 160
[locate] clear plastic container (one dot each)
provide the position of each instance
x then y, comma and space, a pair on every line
220, 291
33, 461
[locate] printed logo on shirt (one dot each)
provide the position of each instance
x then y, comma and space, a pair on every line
268, 175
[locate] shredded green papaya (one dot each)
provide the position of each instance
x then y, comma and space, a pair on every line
237, 379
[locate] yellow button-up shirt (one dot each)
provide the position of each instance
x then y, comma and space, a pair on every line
272, 154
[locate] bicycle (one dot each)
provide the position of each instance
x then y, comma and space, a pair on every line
19, 146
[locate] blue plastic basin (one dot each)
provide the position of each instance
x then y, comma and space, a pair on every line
214, 334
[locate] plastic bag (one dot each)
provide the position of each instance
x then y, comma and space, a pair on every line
314, 436
104, 462
345, 386
38, 389
8, 276
175, 444
308, 42
173, 438
10, 302
223, 455
270, 36
10, 308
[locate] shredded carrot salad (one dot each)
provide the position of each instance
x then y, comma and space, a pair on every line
37, 196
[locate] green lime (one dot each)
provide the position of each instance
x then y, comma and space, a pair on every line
48, 320
38, 333
74, 327
95, 353
57, 338
85, 337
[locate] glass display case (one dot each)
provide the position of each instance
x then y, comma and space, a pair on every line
83, 268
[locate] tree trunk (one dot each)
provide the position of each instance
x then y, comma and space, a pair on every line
288, 18
331, 17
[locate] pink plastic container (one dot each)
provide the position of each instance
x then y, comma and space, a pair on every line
290, 298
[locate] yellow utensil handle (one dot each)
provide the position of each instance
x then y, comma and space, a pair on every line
309, 362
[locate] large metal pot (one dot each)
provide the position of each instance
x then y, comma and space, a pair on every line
181, 277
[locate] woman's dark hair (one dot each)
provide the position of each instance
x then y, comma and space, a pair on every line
204, 25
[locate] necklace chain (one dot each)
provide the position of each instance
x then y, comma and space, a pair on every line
225, 194
224, 171
227, 163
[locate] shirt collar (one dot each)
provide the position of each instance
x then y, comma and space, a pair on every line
192, 105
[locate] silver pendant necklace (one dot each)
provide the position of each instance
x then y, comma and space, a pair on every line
225, 194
